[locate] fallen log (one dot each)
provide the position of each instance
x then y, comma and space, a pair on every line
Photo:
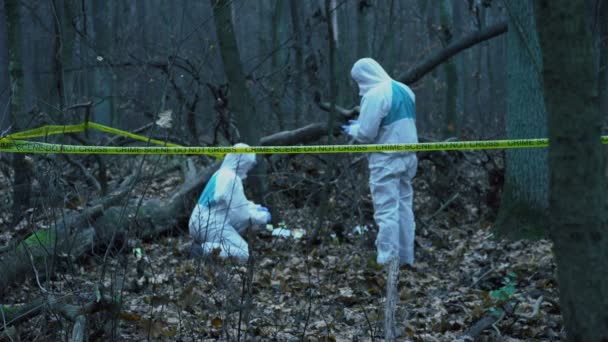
302, 135
78, 233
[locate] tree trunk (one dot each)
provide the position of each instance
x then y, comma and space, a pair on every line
240, 101
298, 60
459, 26
523, 210
15, 66
451, 74
602, 22
22, 171
333, 77
28, 78
577, 200
100, 33
603, 58
387, 45
363, 9
479, 89
61, 53
331, 18
275, 60
5, 82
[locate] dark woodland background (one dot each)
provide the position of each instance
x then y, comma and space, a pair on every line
96, 247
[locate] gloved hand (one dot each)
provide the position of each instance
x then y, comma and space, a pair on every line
351, 127
268, 215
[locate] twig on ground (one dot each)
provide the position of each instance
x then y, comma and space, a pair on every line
489, 320
535, 309
444, 205
485, 274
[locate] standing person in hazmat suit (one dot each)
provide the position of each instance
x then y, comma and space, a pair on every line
387, 116
223, 211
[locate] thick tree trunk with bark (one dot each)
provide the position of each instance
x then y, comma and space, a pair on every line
276, 60
451, 73
240, 101
577, 197
22, 171
298, 46
602, 23
523, 211
363, 9
100, 32
5, 82
29, 79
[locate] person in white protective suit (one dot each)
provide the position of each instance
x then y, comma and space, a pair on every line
223, 211
388, 116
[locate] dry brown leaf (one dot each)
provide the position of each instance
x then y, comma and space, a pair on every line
129, 316
216, 322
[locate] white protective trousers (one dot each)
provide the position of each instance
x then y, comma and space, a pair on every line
392, 195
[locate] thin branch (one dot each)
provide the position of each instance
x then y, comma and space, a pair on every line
435, 59
345, 112
535, 309
426, 66
301, 135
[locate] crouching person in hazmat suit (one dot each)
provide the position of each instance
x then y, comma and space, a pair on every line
387, 116
223, 211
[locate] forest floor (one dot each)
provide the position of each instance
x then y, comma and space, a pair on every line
329, 288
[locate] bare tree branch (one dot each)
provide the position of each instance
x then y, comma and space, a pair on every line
417, 72
301, 135
430, 63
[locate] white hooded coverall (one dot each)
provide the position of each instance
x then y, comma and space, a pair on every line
223, 211
388, 116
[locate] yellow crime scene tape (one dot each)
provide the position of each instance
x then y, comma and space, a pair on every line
45, 131
15, 143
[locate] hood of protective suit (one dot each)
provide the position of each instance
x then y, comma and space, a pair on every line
239, 163
368, 74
